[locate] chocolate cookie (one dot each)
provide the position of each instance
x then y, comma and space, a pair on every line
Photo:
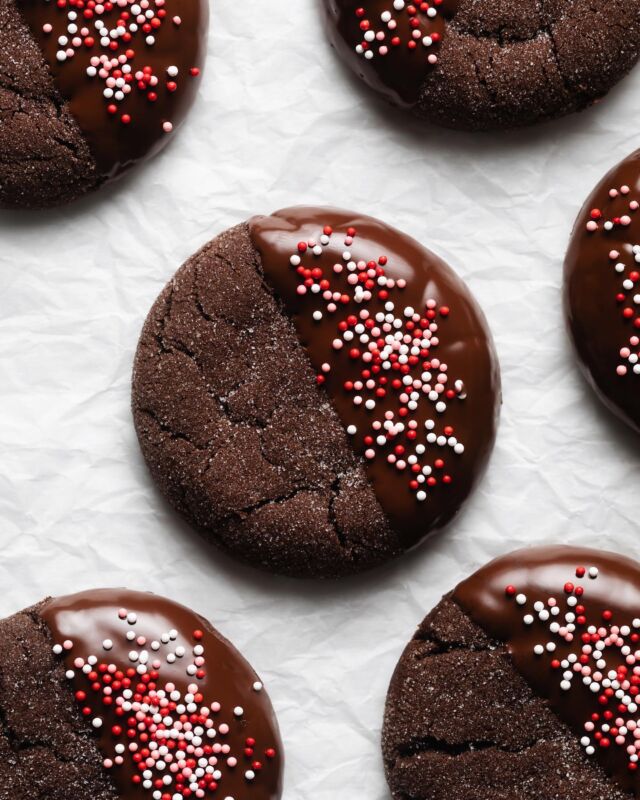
522, 683
89, 89
487, 64
602, 290
118, 694
315, 392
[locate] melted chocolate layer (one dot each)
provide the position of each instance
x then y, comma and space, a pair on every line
399, 72
611, 600
91, 621
462, 342
179, 42
596, 297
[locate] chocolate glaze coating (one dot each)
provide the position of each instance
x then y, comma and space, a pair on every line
594, 294
116, 147
465, 345
500, 64
472, 704
248, 447
539, 574
60, 138
399, 74
90, 618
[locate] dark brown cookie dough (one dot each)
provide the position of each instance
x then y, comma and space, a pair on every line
488, 64
78, 105
602, 289
497, 696
92, 685
250, 413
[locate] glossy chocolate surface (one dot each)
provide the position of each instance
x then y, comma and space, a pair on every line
596, 297
464, 345
180, 40
398, 74
541, 574
90, 619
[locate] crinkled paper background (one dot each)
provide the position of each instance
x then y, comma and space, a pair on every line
278, 122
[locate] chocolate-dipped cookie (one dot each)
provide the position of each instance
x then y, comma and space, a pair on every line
89, 89
602, 289
487, 64
315, 392
113, 694
523, 683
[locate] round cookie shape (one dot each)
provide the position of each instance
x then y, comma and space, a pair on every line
602, 289
91, 90
543, 646
480, 65
316, 392
130, 695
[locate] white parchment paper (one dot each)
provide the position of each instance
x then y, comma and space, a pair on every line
280, 122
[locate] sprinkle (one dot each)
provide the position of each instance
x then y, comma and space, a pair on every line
627, 296
587, 661
391, 349
400, 29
